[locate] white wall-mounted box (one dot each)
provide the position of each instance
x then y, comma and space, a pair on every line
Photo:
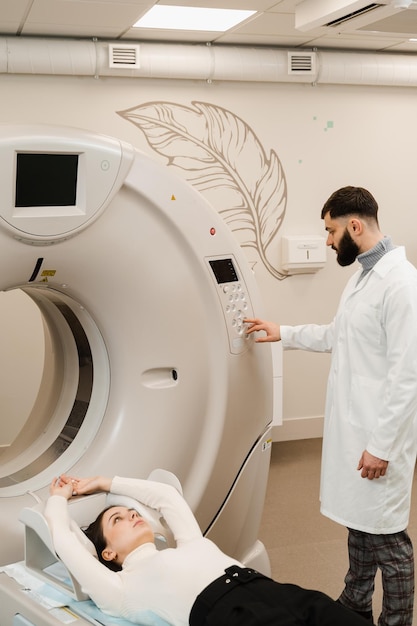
303, 254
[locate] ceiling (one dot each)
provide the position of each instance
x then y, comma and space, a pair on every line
285, 23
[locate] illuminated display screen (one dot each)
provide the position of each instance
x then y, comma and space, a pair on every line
224, 270
46, 180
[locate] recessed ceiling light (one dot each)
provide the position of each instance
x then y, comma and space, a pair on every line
191, 18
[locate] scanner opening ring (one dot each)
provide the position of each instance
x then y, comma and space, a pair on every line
72, 395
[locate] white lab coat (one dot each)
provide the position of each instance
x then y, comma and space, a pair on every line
371, 397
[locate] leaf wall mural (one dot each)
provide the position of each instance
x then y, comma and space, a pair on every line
221, 156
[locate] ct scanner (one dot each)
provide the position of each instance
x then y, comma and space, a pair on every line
141, 290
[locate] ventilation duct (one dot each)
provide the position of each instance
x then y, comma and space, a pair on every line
65, 57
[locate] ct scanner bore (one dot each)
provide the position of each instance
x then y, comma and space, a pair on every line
141, 290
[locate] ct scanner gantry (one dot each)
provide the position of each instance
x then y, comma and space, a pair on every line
141, 290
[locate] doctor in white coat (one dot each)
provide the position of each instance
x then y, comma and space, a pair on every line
370, 438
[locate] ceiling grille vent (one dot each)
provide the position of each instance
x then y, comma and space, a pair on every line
124, 56
354, 14
301, 63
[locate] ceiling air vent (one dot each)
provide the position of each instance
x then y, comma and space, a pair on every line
301, 63
354, 14
124, 56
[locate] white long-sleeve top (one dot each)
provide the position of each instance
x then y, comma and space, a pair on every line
164, 582
371, 396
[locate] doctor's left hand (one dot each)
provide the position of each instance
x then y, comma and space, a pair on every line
371, 466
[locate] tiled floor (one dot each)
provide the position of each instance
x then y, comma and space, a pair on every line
303, 546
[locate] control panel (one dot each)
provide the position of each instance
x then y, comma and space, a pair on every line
234, 299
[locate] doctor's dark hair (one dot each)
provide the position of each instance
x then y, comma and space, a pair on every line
351, 201
95, 534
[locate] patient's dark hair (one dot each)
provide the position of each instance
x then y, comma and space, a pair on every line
94, 532
351, 201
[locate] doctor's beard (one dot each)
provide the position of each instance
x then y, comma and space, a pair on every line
347, 250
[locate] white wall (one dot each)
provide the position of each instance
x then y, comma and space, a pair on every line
325, 137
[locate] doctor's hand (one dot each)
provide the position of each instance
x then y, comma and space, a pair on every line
273, 332
371, 466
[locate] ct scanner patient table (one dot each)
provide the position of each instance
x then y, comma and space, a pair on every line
40, 591
23, 607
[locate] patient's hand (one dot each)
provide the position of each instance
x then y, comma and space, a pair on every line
61, 487
85, 486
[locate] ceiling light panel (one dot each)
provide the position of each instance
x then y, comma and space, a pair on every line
192, 18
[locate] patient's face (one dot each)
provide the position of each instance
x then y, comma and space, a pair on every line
124, 530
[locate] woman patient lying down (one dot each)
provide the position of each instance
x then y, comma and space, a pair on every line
194, 583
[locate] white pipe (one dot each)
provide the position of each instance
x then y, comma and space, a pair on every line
353, 68
20, 55
49, 56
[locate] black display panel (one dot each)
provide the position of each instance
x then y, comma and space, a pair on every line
46, 180
224, 270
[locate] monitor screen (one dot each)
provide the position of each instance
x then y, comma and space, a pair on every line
46, 180
224, 270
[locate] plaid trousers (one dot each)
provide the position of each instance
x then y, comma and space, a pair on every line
393, 555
